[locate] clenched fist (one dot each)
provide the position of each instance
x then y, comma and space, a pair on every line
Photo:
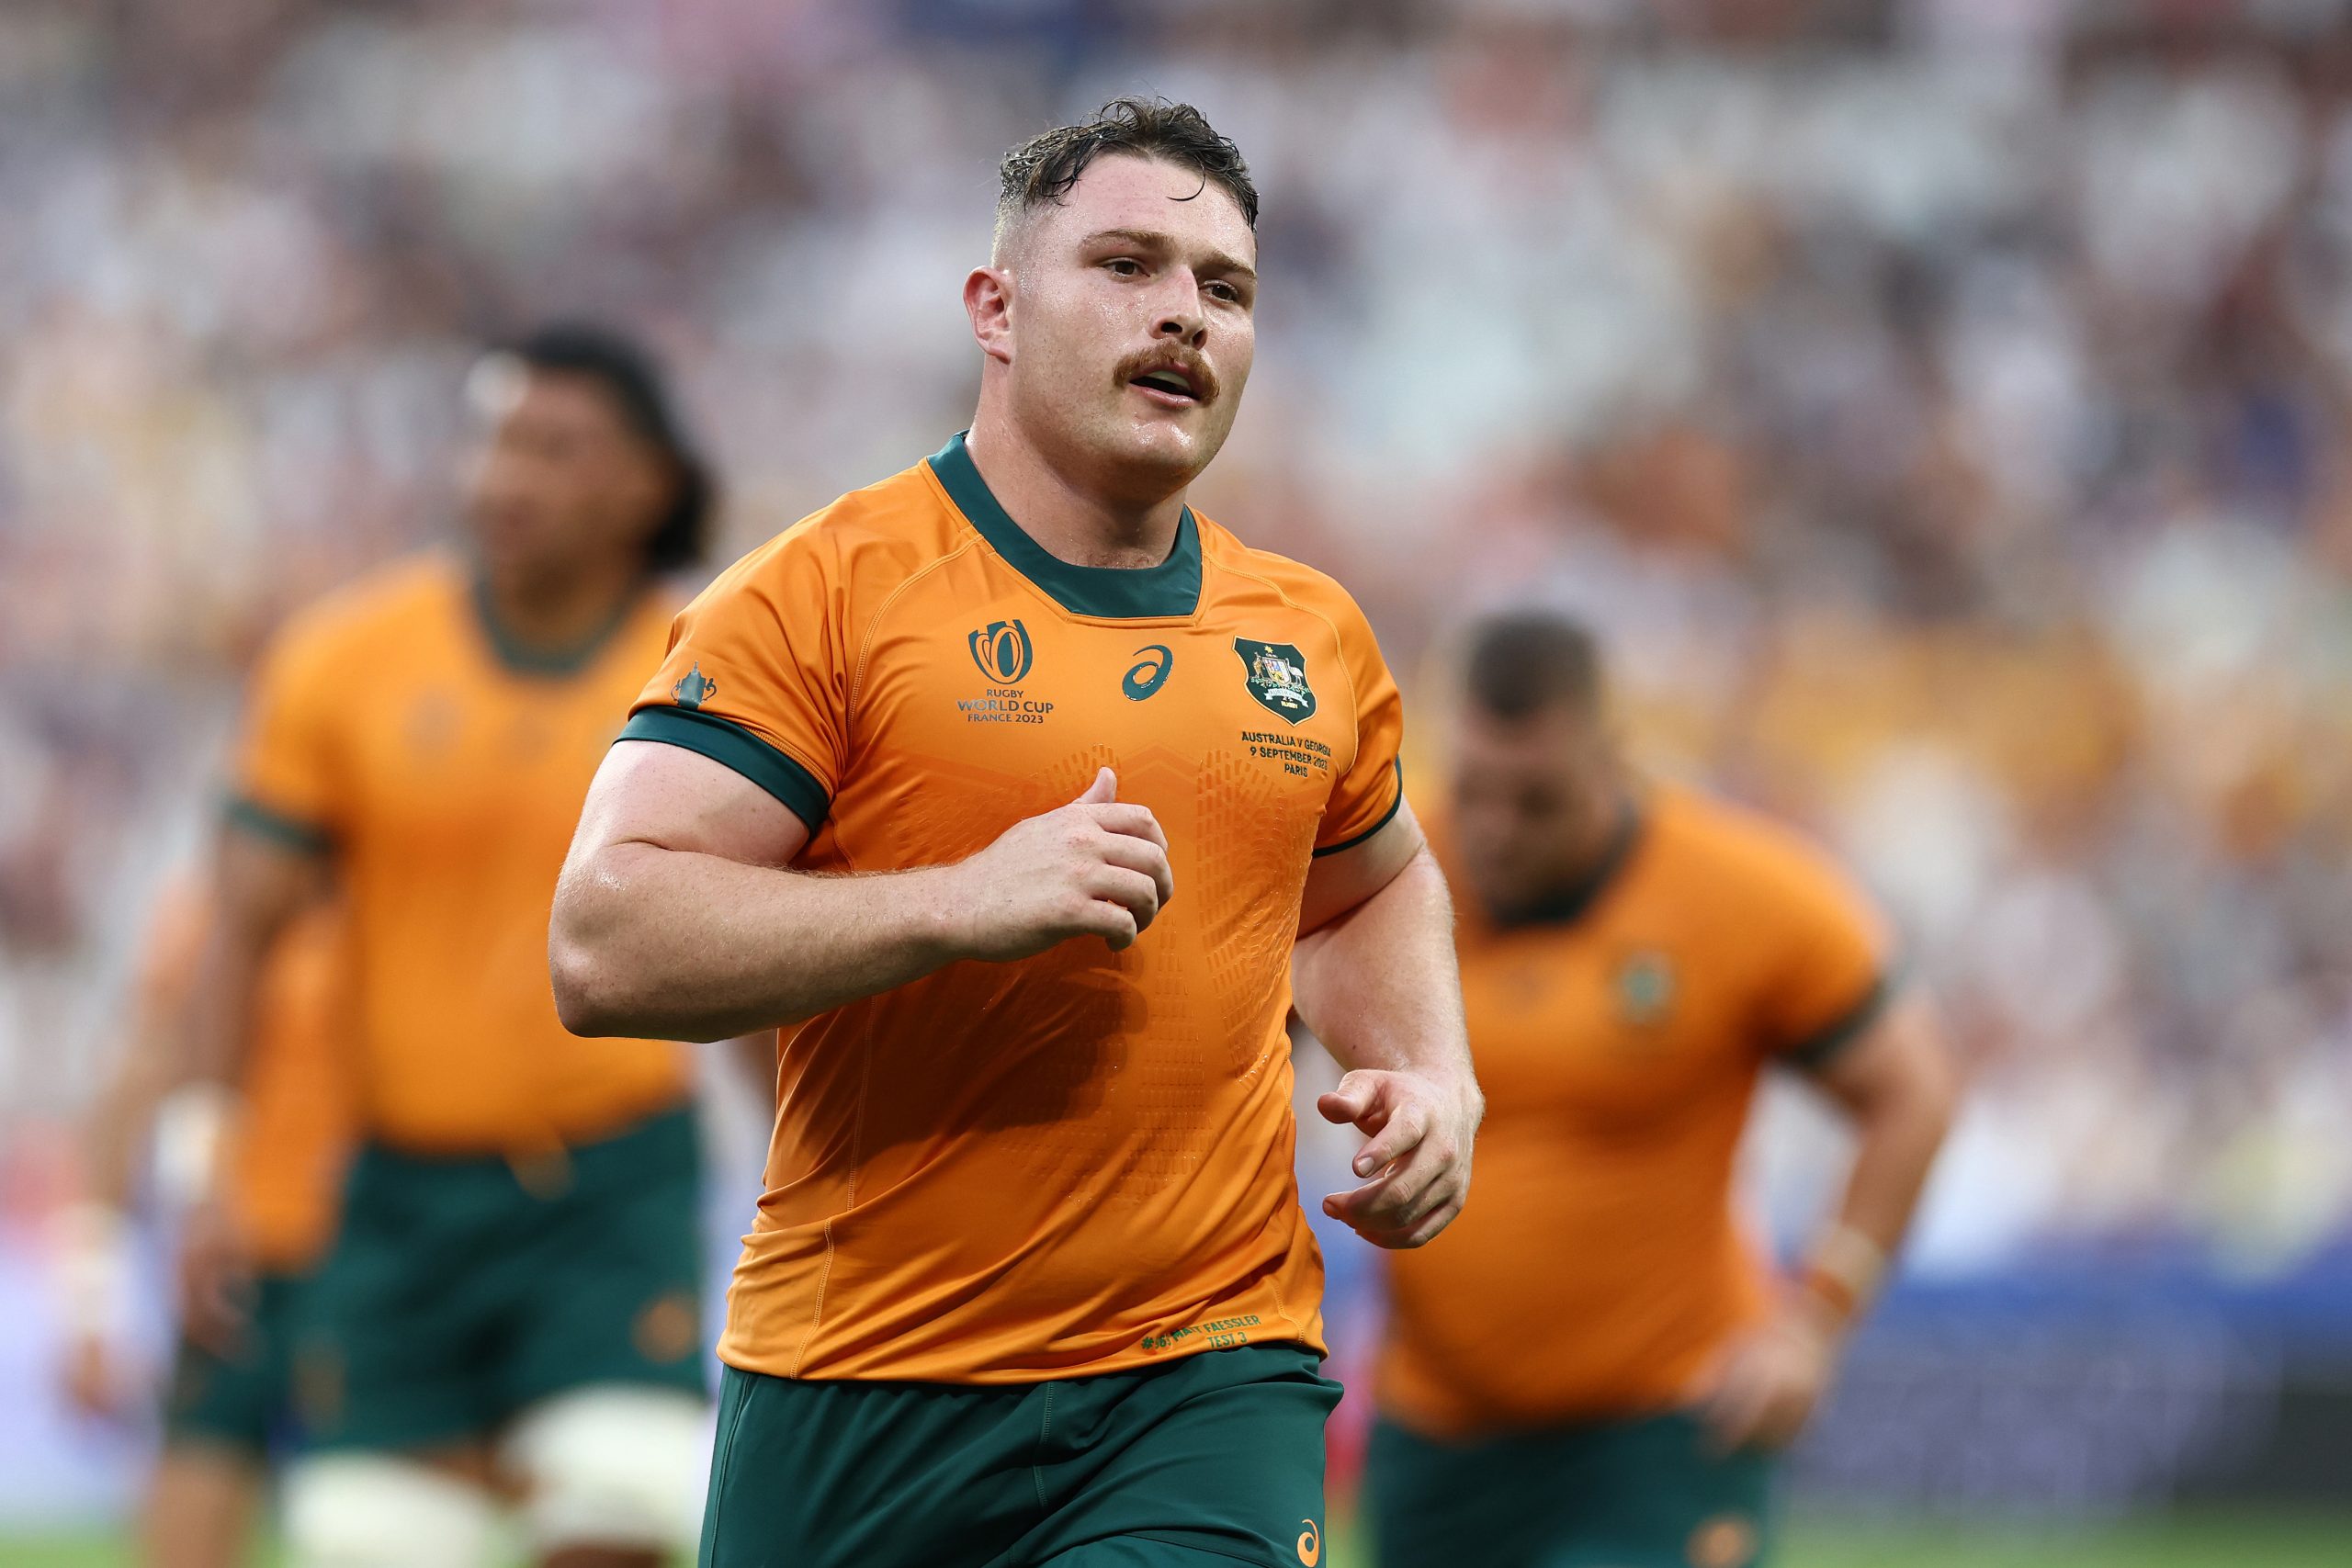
1095, 867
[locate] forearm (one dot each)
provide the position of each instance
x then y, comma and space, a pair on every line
1896, 1149
119, 1125
1379, 986
678, 946
1900, 1101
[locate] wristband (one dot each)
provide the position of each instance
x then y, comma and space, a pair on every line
94, 1268
190, 1126
1843, 1272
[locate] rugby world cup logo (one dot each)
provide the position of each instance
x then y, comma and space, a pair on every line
1003, 651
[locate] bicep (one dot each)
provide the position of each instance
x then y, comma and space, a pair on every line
1340, 881
672, 798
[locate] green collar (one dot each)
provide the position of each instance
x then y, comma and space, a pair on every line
1169, 590
1570, 904
562, 661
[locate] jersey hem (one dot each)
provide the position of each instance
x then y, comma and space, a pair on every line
733, 747
1026, 1376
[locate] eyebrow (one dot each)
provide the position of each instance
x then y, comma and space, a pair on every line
1216, 261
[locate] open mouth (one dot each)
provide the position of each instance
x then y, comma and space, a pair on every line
1168, 381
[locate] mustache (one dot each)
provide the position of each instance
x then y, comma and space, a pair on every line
1171, 356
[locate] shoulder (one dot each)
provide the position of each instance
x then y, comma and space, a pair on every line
865, 544
392, 602
1318, 593
1748, 854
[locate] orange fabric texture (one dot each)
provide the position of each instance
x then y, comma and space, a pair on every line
1082, 1162
294, 1130
1599, 1262
445, 775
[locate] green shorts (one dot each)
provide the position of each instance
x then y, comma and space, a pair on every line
1212, 1459
458, 1296
239, 1400
1636, 1493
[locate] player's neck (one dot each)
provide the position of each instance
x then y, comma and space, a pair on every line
555, 615
1601, 844
1070, 521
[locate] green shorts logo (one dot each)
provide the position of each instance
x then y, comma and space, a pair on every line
1276, 672
1002, 651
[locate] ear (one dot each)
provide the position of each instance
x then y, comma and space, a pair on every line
987, 299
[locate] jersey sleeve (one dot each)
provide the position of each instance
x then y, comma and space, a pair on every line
757, 676
1832, 972
289, 779
1368, 794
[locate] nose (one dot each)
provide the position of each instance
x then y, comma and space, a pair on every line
1181, 318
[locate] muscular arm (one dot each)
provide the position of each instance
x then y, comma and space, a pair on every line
258, 886
678, 917
1375, 977
1896, 1087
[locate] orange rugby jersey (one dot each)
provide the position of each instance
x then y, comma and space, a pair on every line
295, 1131
392, 728
1082, 1162
1618, 1039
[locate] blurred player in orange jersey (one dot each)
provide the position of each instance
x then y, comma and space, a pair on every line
513, 1295
1591, 1367
226, 1412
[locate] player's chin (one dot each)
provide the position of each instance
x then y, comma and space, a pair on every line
1179, 440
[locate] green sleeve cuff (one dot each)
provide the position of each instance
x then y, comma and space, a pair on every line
288, 832
733, 746
1820, 1048
1386, 817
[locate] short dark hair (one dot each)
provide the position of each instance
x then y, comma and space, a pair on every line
1517, 663
1043, 169
632, 377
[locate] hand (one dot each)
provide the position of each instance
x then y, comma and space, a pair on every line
1762, 1387
1095, 867
216, 1278
96, 1382
1417, 1158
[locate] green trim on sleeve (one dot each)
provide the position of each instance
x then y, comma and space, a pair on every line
733, 746
1822, 1047
1386, 817
287, 832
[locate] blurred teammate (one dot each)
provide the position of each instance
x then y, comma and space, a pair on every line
1594, 1369
1030, 1284
513, 1295
226, 1410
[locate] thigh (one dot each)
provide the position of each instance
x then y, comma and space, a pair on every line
869, 1475
1491, 1503
1220, 1453
609, 1278
1662, 1498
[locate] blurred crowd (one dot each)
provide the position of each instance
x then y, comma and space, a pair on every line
1941, 406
